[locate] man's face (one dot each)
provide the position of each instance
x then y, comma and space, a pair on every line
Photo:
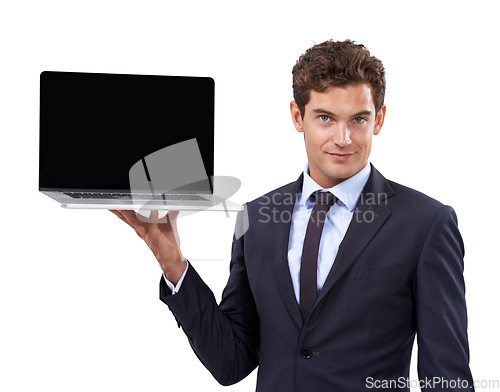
338, 127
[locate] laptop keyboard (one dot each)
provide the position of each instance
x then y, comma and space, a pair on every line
137, 196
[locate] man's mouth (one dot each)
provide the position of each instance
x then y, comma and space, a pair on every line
341, 156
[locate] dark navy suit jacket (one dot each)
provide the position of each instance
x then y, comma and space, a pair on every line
398, 274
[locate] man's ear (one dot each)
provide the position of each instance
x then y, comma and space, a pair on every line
296, 117
379, 120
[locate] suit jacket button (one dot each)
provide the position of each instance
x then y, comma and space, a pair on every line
306, 353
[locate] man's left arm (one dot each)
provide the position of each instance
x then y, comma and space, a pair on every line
441, 314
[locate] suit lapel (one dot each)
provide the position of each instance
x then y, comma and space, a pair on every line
370, 214
278, 232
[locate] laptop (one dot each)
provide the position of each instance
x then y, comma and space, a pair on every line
119, 141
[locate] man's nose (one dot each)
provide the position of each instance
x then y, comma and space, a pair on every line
342, 135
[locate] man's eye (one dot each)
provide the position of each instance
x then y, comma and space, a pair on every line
359, 120
324, 118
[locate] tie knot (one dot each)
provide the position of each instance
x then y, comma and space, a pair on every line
325, 198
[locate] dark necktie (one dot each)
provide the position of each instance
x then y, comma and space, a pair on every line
309, 261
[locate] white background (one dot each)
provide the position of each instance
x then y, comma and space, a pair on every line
79, 290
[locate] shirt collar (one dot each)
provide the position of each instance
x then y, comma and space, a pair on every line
347, 191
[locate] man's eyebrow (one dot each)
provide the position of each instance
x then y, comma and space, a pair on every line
362, 113
328, 113
324, 111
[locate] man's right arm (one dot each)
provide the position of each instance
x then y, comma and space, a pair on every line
225, 338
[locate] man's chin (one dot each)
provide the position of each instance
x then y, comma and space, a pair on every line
329, 175
342, 173
343, 170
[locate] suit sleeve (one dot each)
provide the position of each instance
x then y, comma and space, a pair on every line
441, 315
225, 338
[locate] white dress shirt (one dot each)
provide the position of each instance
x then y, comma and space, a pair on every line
338, 219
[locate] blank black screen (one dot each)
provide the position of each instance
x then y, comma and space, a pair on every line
94, 127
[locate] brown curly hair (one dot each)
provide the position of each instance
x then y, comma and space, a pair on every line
337, 63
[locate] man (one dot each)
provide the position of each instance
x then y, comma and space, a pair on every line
331, 299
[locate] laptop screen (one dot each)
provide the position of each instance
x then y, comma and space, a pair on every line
95, 127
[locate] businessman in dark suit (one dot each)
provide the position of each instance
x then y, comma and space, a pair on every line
333, 275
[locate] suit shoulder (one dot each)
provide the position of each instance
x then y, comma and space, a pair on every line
412, 199
414, 194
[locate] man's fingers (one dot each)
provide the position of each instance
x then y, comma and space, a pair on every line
143, 225
151, 217
172, 217
160, 234
130, 217
133, 218
117, 213
120, 215
169, 221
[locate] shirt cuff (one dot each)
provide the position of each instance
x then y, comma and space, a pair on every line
170, 285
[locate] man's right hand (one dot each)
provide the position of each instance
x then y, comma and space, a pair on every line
162, 238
